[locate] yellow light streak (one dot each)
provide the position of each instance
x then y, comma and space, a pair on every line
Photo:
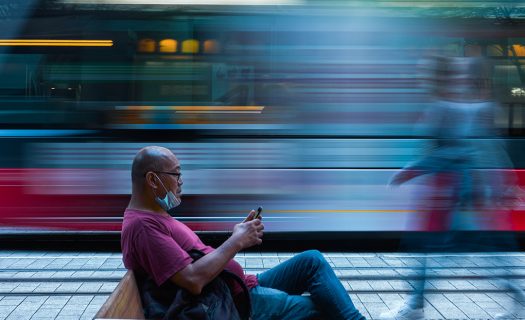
218, 108
54, 40
218, 111
56, 43
186, 109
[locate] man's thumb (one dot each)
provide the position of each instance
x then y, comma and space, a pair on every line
250, 216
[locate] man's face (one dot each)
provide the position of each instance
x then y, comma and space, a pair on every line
173, 181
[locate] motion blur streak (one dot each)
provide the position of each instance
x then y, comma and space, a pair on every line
307, 108
56, 43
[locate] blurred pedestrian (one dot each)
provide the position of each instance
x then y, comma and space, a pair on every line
461, 167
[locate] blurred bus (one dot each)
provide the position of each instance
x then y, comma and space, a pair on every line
306, 109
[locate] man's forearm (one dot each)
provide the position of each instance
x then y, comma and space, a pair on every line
212, 264
209, 266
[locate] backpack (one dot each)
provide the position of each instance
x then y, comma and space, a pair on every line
215, 301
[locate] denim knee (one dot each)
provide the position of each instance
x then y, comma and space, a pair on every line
314, 258
303, 306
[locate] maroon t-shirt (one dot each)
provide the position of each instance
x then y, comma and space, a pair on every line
157, 245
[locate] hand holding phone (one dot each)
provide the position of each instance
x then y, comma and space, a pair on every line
258, 214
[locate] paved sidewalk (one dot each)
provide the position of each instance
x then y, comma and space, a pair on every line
73, 285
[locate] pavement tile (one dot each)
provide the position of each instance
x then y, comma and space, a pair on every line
56, 301
483, 285
394, 262
359, 306
99, 299
24, 274
25, 287
47, 287
11, 300
82, 274
380, 285
375, 308
488, 305
479, 297
72, 313
493, 312
19, 316
63, 274
348, 272
369, 297
462, 284
102, 274
119, 273
431, 312
90, 287
450, 311
358, 262
80, 299
40, 275
7, 309
442, 284
400, 285
380, 295
457, 297
341, 262
108, 286
68, 287
46, 312
270, 263
6, 287
471, 310
254, 263
369, 272
359, 285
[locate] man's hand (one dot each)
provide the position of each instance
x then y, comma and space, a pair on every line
403, 176
249, 232
198, 274
397, 179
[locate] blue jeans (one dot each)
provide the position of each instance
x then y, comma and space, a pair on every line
278, 295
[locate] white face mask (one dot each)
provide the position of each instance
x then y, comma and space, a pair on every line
169, 202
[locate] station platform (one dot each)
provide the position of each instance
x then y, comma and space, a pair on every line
43, 285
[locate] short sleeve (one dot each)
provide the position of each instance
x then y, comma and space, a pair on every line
159, 254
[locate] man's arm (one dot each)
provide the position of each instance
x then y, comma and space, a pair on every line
198, 274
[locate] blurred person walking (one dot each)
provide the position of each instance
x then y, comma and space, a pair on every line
461, 169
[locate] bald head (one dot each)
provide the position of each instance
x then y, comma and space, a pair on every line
151, 158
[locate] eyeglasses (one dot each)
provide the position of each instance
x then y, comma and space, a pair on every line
178, 175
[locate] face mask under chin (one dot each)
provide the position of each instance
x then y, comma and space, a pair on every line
172, 211
168, 203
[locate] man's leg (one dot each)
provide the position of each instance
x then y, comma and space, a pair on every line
309, 271
268, 303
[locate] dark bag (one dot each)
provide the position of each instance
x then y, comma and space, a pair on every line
215, 301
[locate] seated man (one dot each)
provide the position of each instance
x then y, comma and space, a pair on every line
156, 244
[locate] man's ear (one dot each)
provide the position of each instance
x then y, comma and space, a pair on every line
151, 180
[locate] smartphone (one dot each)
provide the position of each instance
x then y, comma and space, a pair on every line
258, 214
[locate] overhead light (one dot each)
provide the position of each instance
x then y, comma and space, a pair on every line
518, 92
55, 43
